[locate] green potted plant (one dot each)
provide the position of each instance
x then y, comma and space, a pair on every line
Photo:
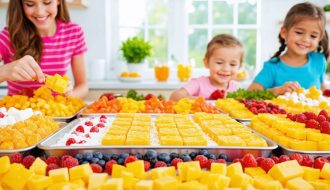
135, 50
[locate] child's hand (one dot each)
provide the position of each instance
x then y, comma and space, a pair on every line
287, 87
69, 91
217, 94
24, 69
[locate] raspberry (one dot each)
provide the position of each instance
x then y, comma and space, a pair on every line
28, 160
2, 115
209, 163
53, 160
70, 141
220, 161
237, 160
283, 158
297, 156
146, 165
312, 123
275, 158
159, 164
103, 117
94, 130
301, 118
130, 159
108, 166
307, 161
96, 168
16, 158
259, 160
267, 164
321, 118
325, 127
89, 123
175, 162
248, 160
319, 162
101, 125
51, 166
202, 160
310, 115
87, 136
63, 158
103, 120
324, 113
70, 162
80, 128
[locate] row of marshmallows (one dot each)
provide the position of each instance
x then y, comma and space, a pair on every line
13, 115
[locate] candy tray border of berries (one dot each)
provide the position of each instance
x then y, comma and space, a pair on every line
233, 151
67, 119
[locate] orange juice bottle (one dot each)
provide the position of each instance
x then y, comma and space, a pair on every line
184, 72
162, 72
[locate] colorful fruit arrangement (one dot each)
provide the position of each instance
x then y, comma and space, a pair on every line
259, 106
58, 83
251, 94
170, 171
45, 102
234, 108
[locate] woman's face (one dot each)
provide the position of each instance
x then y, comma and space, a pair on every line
42, 14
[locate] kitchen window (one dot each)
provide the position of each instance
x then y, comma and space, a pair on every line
179, 30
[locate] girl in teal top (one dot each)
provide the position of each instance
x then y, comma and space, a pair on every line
301, 58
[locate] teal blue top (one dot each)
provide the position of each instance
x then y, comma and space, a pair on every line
274, 74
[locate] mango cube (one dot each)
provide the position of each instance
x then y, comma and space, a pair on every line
219, 168
240, 180
311, 174
325, 171
117, 170
166, 183
80, 172
144, 185
235, 168
96, 180
113, 184
39, 167
59, 175
298, 183
157, 173
16, 177
39, 182
137, 168
4, 164
286, 170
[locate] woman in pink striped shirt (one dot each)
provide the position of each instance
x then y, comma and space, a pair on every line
39, 40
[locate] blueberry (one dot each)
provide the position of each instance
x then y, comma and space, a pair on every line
185, 157
164, 157
223, 156
212, 157
88, 156
174, 155
95, 160
98, 155
203, 152
101, 163
114, 157
121, 161
193, 155
139, 156
82, 161
79, 156
85, 162
106, 157
150, 154
123, 155
153, 162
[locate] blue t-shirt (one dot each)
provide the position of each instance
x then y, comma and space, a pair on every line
276, 74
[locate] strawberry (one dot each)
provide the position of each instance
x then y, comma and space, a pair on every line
237, 160
324, 113
89, 123
70, 141
130, 159
101, 125
248, 160
209, 163
307, 161
283, 158
202, 160
321, 118
160, 164
310, 115
267, 164
146, 165
259, 160
2, 115
301, 118
175, 162
53, 160
217, 94
325, 127
80, 128
297, 156
96, 168
103, 117
319, 162
148, 96
108, 166
94, 129
326, 92
312, 123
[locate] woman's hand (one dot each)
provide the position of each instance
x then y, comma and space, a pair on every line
287, 87
24, 69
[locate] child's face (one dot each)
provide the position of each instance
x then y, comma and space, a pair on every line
223, 64
303, 37
42, 14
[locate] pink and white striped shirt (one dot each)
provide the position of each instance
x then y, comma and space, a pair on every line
58, 51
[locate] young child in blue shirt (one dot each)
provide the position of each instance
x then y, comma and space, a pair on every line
304, 42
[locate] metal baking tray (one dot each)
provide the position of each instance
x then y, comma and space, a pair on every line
68, 118
232, 151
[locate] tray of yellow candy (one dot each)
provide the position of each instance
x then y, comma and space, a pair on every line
170, 132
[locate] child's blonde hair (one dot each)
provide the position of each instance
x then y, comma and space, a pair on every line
223, 40
22, 32
296, 14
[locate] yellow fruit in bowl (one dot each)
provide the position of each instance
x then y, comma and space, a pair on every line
134, 74
124, 74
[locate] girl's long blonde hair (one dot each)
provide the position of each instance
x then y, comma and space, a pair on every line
22, 32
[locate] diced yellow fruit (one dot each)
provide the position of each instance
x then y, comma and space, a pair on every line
298, 183
113, 184
320, 184
266, 182
219, 168
171, 140
324, 145
60, 186
80, 172
38, 167
78, 182
129, 179
137, 168
166, 183
96, 180
162, 172
235, 168
192, 185
59, 175
117, 170
254, 171
296, 134
217, 181
311, 174
144, 185
16, 177
4, 164
39, 182
183, 168
113, 140
194, 172
240, 180
303, 145
325, 171
286, 170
